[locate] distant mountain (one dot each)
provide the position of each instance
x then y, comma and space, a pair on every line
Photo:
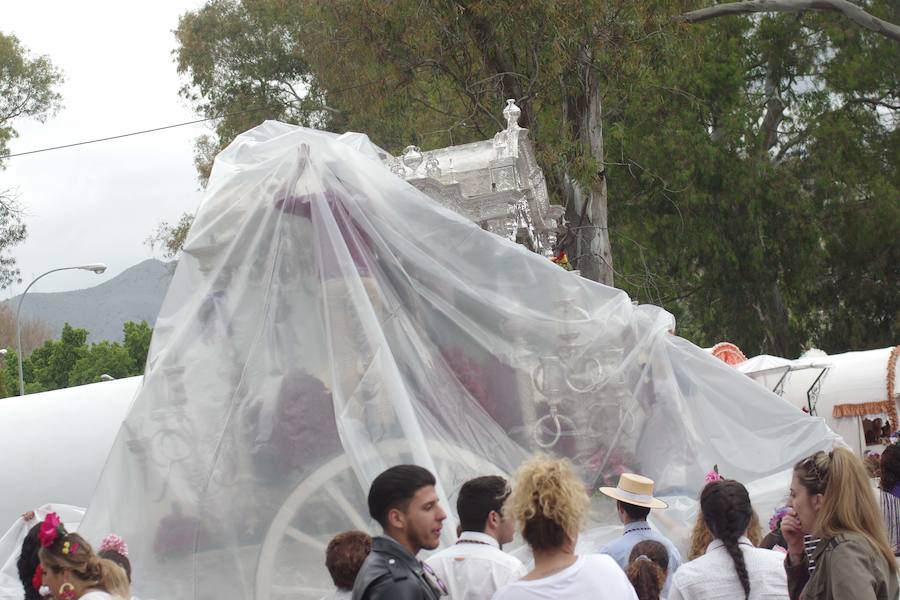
134, 295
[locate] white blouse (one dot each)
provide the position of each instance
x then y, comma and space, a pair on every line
713, 576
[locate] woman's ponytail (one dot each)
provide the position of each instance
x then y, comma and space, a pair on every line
112, 578
647, 568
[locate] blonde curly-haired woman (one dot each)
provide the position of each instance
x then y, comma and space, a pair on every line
549, 504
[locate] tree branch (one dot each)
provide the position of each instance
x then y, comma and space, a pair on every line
848, 9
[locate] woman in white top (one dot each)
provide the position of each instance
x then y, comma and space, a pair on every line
549, 504
71, 569
731, 567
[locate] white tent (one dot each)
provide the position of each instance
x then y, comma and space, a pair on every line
56, 443
843, 388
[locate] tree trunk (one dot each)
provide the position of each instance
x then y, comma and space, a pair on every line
587, 209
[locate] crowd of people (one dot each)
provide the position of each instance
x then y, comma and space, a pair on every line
835, 539
831, 540
56, 563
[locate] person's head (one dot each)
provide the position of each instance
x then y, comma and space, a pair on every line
727, 511
480, 508
702, 537
830, 494
345, 555
629, 513
890, 467
28, 563
549, 503
634, 497
114, 548
404, 502
70, 566
647, 568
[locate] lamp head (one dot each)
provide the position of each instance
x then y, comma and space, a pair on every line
97, 268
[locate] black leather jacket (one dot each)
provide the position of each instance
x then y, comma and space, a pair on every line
390, 572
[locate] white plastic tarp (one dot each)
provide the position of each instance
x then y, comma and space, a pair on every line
328, 320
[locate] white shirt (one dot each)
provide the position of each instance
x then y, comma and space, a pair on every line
713, 575
590, 577
339, 594
99, 595
475, 567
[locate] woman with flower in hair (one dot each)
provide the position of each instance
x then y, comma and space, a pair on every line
114, 548
549, 504
71, 569
831, 499
731, 567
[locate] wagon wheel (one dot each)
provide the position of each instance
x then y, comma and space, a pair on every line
291, 561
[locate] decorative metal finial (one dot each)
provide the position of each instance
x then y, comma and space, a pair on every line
412, 158
432, 167
512, 113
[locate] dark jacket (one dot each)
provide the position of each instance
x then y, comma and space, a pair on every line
390, 572
848, 567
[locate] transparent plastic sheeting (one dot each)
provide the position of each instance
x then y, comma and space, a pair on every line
327, 320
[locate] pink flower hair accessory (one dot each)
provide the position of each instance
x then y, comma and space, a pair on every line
114, 543
714, 475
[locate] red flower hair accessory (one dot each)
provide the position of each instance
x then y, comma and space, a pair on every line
37, 580
50, 530
114, 543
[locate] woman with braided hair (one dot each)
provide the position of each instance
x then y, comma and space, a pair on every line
71, 569
731, 567
831, 499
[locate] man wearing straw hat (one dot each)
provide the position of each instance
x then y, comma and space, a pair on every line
634, 499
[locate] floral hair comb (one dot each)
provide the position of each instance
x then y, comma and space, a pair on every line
714, 475
51, 530
114, 543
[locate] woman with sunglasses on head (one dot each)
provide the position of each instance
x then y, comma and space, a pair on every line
71, 569
831, 499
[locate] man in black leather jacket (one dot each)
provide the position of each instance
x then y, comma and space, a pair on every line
403, 500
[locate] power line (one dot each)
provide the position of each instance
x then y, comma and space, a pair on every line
124, 135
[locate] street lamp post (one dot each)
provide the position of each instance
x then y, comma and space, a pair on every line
97, 268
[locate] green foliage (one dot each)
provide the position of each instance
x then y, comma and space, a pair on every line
27, 88
751, 162
70, 361
171, 238
137, 343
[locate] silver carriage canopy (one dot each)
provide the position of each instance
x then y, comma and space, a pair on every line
328, 319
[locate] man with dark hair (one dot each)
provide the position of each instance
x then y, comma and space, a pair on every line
404, 502
476, 566
634, 500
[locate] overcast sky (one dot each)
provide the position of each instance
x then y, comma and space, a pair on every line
99, 203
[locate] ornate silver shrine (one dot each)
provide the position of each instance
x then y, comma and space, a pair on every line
496, 183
